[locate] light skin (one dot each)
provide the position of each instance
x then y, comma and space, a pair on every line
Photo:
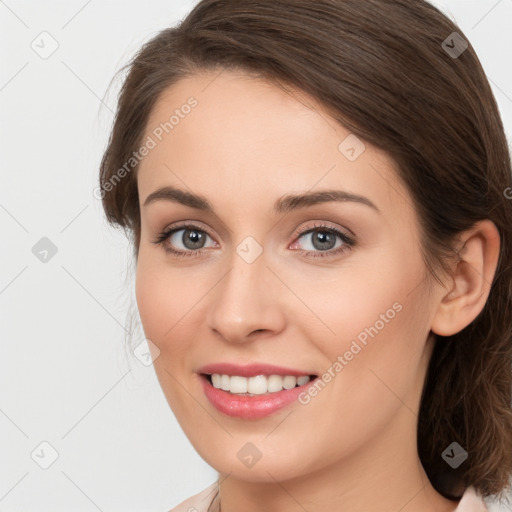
353, 447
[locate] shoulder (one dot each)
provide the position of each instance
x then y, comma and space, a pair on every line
198, 502
471, 502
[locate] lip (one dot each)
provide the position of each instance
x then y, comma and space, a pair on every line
250, 407
251, 370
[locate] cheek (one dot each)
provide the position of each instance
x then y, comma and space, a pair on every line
169, 307
354, 305
149, 300
379, 329
380, 365
162, 308
161, 298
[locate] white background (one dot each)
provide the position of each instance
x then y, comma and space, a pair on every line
66, 376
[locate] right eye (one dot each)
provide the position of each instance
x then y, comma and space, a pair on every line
183, 241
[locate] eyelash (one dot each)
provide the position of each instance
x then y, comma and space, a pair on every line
349, 242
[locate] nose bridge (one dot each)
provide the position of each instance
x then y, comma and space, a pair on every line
245, 298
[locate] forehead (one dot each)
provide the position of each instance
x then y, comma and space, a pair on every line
237, 116
221, 133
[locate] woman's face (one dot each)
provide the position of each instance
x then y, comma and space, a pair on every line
265, 284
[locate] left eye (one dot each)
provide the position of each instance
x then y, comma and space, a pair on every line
321, 240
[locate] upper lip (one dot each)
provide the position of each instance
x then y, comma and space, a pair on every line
250, 370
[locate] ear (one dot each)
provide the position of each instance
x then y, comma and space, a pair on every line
470, 279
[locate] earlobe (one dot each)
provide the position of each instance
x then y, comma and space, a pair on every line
464, 298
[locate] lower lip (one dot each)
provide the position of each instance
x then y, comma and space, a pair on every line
250, 407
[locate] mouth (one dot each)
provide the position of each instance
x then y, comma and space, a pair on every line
253, 392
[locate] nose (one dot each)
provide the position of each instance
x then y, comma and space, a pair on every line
245, 304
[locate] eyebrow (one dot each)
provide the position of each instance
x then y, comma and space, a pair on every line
284, 204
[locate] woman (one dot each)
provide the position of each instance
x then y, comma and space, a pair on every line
318, 196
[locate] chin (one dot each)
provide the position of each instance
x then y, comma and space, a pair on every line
234, 459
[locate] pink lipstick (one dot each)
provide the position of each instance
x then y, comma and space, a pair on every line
252, 391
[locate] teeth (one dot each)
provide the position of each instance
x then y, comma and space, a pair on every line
302, 380
274, 383
225, 382
238, 385
289, 382
255, 385
258, 385
216, 380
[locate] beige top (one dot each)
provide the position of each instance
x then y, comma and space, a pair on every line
208, 501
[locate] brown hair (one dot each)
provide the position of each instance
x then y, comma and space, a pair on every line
388, 72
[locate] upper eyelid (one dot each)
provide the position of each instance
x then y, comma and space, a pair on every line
326, 225
189, 225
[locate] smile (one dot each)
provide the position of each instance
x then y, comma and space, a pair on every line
252, 392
